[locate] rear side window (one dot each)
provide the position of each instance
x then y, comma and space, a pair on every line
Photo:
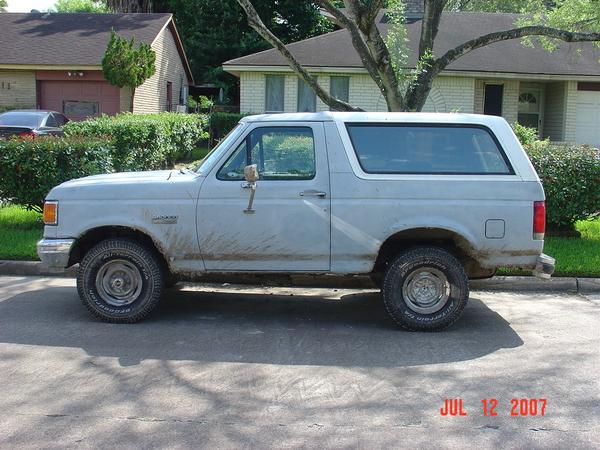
428, 149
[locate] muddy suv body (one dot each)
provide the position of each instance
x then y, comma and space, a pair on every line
418, 202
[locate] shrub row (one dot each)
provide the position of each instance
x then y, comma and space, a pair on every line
222, 123
570, 175
144, 142
571, 178
31, 167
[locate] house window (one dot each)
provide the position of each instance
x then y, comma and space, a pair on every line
339, 87
274, 93
307, 100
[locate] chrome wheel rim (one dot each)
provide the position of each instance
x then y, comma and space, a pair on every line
426, 290
119, 282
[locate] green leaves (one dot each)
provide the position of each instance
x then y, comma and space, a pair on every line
31, 167
80, 6
125, 65
571, 178
145, 142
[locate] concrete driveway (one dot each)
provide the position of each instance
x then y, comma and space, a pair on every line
288, 368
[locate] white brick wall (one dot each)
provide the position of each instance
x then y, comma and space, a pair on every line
18, 88
151, 97
449, 94
570, 111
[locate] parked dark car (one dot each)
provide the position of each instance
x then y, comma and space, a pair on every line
31, 123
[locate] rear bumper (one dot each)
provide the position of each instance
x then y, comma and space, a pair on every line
54, 253
545, 266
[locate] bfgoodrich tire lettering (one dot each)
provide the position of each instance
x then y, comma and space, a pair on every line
140, 261
438, 268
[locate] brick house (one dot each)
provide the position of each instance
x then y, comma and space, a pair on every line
53, 61
558, 93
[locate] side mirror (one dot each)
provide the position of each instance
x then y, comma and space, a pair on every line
251, 174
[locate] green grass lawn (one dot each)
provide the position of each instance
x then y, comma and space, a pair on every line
21, 229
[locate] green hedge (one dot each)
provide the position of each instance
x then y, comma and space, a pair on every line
31, 167
571, 178
222, 123
570, 175
149, 141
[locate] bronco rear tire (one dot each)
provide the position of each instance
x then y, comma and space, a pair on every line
120, 281
425, 289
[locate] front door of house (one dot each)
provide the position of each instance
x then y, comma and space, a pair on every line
530, 108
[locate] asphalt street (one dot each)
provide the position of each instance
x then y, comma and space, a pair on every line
243, 367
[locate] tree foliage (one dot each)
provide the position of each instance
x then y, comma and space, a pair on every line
79, 6
407, 89
125, 65
2, 5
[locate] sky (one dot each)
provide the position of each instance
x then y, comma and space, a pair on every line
28, 5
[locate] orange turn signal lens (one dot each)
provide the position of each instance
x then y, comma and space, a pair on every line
51, 213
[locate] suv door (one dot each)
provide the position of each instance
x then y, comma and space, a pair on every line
289, 229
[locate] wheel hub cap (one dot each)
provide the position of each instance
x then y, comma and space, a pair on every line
426, 290
119, 282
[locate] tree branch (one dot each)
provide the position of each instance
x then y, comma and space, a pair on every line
257, 25
364, 17
430, 26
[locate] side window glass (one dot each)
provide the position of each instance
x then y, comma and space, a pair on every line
51, 121
281, 153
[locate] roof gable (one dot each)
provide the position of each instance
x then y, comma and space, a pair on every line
335, 49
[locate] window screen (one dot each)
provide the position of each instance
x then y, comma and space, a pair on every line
307, 100
274, 93
427, 149
281, 153
340, 88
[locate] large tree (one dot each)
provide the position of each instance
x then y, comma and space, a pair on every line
384, 58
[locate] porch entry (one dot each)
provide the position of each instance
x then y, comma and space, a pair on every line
530, 108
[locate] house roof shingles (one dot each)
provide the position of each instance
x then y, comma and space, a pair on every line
335, 49
70, 39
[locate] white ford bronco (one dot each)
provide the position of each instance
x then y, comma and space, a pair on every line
419, 202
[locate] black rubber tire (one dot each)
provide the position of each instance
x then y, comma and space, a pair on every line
147, 263
407, 262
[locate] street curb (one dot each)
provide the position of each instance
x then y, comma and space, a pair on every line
499, 283
32, 269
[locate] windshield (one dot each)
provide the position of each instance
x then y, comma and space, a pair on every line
22, 119
215, 153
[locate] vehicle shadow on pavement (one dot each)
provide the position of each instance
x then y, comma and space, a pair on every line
350, 330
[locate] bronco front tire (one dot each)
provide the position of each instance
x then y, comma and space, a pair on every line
425, 289
120, 281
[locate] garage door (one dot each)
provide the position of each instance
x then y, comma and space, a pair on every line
79, 99
588, 117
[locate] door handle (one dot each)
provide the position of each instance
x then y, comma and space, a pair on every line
313, 193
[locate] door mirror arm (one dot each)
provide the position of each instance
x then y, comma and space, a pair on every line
251, 176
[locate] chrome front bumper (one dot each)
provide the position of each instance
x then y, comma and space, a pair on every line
544, 267
54, 253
